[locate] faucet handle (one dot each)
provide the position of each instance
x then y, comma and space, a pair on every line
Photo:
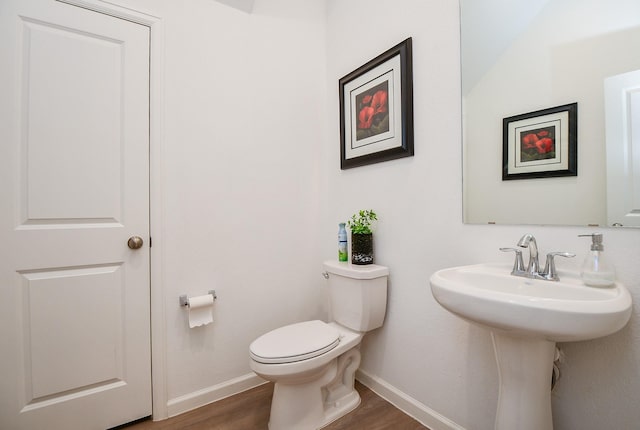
549, 271
518, 265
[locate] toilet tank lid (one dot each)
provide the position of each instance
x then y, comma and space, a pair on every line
367, 271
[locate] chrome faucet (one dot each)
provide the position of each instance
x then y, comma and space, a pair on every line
528, 241
549, 272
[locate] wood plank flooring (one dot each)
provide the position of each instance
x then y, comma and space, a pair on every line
250, 411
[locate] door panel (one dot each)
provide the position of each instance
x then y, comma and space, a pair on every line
74, 186
60, 186
87, 348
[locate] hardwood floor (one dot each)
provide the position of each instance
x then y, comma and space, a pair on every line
250, 411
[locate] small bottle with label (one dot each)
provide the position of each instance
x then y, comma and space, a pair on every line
342, 243
596, 269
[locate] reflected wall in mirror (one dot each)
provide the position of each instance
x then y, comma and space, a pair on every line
526, 55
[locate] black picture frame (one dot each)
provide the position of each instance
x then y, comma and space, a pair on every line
376, 109
541, 144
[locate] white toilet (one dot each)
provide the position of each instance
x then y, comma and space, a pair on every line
313, 363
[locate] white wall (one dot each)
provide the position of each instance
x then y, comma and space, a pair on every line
427, 353
244, 122
253, 193
421, 350
243, 109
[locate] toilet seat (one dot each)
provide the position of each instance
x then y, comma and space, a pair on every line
295, 342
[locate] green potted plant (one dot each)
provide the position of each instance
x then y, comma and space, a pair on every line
362, 236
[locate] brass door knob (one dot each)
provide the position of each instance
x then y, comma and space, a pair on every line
135, 242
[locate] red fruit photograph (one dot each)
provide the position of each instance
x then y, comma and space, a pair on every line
376, 109
541, 144
538, 144
373, 111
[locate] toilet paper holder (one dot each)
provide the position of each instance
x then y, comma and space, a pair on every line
184, 300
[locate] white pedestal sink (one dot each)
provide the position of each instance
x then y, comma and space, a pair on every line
526, 318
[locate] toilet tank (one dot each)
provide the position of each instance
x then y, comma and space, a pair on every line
357, 294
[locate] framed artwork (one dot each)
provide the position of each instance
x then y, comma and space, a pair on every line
376, 109
541, 144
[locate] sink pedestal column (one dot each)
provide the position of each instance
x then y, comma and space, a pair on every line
525, 365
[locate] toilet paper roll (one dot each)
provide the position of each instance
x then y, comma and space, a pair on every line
200, 310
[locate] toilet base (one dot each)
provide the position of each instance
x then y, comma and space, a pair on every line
341, 408
314, 404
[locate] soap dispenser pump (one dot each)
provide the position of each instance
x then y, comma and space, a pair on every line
596, 269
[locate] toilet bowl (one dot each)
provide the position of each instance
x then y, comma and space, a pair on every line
313, 363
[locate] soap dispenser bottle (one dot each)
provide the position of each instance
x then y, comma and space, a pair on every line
596, 269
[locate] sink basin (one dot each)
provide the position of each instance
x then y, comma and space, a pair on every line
526, 318
562, 311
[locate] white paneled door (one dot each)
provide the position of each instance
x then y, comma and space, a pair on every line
74, 188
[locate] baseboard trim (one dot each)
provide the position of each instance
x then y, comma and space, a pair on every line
406, 403
400, 400
212, 394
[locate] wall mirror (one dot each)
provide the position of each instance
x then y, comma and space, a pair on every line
524, 56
